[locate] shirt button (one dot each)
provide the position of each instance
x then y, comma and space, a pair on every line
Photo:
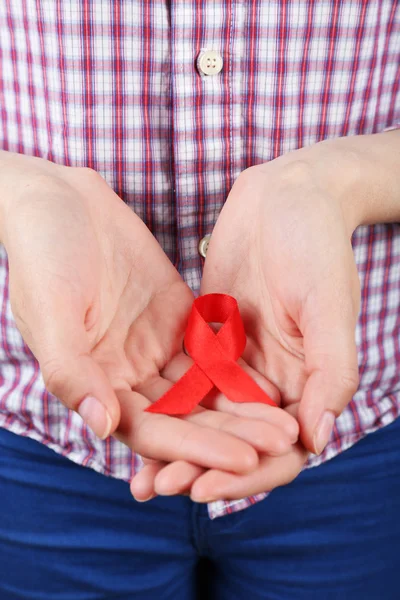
203, 245
209, 62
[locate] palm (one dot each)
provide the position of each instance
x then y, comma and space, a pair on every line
274, 348
136, 310
103, 310
135, 341
263, 343
293, 268
287, 259
293, 273
274, 344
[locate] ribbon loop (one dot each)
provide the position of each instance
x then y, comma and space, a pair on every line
215, 308
215, 356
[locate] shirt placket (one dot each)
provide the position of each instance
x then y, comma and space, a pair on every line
206, 88
207, 41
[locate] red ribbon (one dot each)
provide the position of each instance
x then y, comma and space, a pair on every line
215, 356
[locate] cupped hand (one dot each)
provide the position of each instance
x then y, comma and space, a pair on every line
104, 312
93, 294
282, 248
188, 445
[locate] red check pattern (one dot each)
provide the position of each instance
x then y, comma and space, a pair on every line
112, 84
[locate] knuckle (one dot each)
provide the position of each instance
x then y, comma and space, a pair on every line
88, 173
47, 182
249, 460
295, 172
246, 177
350, 380
247, 183
185, 440
228, 423
54, 377
143, 438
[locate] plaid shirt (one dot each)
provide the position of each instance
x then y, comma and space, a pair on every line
113, 84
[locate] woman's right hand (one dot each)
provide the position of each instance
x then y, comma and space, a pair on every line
103, 310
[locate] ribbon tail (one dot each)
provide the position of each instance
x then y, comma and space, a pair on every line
236, 384
184, 395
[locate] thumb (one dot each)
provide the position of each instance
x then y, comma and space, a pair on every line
70, 373
332, 366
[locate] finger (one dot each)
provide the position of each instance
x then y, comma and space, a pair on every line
266, 385
176, 478
263, 436
218, 402
167, 438
142, 485
256, 411
329, 322
272, 472
69, 371
262, 412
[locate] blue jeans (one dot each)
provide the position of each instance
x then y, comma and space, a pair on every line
68, 533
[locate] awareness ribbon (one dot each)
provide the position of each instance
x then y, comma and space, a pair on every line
215, 356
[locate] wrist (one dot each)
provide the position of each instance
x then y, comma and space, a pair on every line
362, 173
20, 175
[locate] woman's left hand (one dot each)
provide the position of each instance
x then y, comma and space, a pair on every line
282, 248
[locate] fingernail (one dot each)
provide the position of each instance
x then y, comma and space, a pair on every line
144, 499
203, 500
324, 431
167, 492
95, 416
